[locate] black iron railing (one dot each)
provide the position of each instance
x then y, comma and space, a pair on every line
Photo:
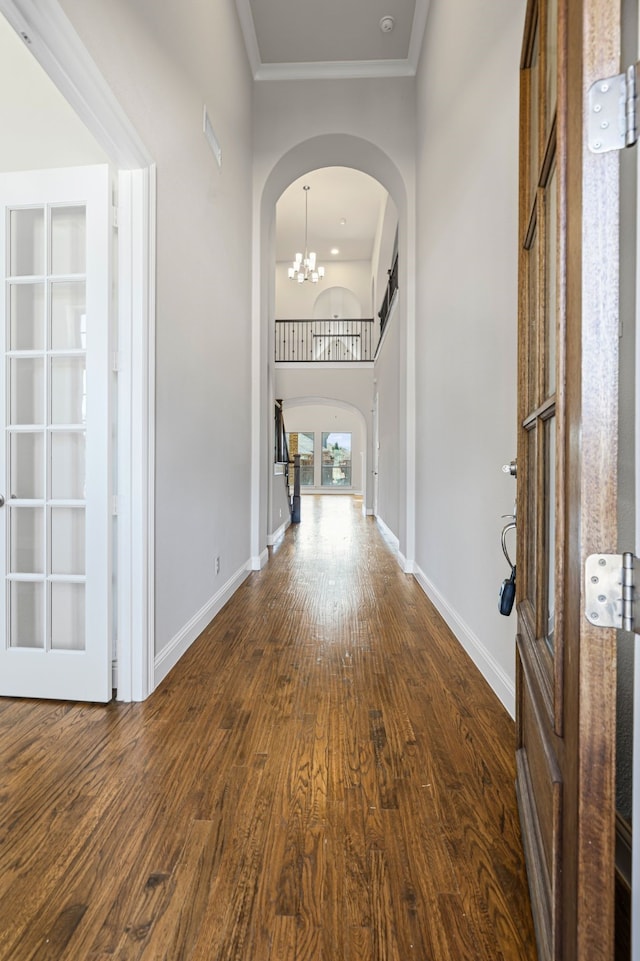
392, 286
324, 341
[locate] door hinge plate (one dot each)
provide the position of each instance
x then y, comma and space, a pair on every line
610, 592
612, 121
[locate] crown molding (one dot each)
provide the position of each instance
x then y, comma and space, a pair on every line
420, 15
249, 33
335, 70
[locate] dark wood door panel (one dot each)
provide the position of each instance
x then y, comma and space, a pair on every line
540, 797
566, 505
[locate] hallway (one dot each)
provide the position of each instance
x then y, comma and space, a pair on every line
325, 776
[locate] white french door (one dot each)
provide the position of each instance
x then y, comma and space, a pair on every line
55, 453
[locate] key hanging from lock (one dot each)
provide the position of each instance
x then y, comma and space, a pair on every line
507, 594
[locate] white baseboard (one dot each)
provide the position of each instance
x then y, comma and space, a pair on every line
257, 563
275, 537
391, 539
388, 534
182, 641
406, 566
500, 682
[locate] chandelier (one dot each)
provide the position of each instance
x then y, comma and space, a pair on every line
304, 268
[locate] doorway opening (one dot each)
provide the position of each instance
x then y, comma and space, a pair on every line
86, 125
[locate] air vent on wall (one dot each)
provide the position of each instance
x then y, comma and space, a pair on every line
210, 134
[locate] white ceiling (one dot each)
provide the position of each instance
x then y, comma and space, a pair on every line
337, 193
332, 38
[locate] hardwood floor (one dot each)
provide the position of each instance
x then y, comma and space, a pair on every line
325, 776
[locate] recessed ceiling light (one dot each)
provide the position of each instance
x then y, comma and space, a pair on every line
334, 250
387, 24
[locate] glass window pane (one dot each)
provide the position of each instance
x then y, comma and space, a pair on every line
26, 466
68, 316
26, 540
551, 283
550, 499
68, 466
336, 459
27, 390
552, 60
67, 540
68, 240
67, 617
534, 121
26, 605
27, 317
530, 529
26, 256
299, 442
68, 390
532, 322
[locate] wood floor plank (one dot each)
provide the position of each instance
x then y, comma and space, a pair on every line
385, 946
173, 936
323, 777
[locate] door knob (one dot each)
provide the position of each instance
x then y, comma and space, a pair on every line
1, 500
511, 468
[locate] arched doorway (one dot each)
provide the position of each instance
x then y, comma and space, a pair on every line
328, 150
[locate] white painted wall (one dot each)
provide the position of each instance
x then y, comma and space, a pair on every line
388, 387
382, 259
280, 510
316, 418
466, 318
163, 63
296, 301
39, 128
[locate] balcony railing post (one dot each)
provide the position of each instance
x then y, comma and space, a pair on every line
295, 505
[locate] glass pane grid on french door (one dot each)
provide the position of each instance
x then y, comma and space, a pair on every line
45, 440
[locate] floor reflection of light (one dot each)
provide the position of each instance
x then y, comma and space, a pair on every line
328, 576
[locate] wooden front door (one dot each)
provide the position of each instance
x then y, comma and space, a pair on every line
567, 478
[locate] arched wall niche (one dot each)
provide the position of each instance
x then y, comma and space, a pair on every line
337, 303
326, 150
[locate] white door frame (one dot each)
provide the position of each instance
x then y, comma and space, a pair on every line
635, 817
376, 447
635, 851
43, 25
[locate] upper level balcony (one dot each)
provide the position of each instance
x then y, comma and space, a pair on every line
324, 341
335, 340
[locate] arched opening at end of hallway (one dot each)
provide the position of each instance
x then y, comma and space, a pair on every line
394, 373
